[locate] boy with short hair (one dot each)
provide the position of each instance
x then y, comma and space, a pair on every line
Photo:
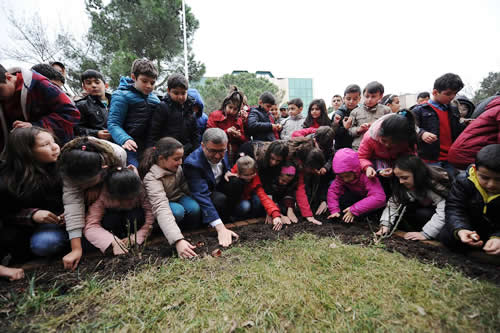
352, 96
50, 73
93, 106
132, 106
30, 99
175, 117
363, 116
295, 118
439, 122
473, 205
261, 124
283, 112
423, 97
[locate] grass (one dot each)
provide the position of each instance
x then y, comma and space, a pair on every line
304, 284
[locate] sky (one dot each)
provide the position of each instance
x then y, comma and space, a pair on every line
405, 45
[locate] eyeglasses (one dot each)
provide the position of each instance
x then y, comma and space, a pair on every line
216, 151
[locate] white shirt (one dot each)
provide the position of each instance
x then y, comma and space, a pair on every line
217, 170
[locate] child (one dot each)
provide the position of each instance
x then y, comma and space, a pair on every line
392, 102
199, 105
83, 164
352, 96
276, 114
254, 197
31, 196
465, 108
363, 116
93, 106
423, 97
121, 216
228, 119
132, 106
261, 126
283, 112
439, 122
360, 194
283, 191
175, 118
317, 115
168, 193
422, 190
295, 118
473, 206
29, 99
50, 73
336, 104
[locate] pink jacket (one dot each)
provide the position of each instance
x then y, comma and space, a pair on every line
346, 160
102, 238
372, 149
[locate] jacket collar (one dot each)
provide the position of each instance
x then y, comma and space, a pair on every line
486, 197
159, 172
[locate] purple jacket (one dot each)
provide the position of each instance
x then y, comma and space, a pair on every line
346, 160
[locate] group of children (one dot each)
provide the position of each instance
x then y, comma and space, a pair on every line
99, 172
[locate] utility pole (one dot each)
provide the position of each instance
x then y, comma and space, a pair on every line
186, 73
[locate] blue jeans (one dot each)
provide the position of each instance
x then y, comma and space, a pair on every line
132, 158
48, 239
249, 208
187, 212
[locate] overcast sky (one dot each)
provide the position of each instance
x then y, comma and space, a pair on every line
405, 45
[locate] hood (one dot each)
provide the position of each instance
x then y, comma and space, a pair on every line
198, 100
374, 129
464, 100
472, 176
346, 160
125, 83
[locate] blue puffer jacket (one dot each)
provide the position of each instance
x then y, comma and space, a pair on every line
201, 117
130, 113
260, 127
428, 121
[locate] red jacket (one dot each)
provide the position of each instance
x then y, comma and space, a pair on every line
219, 119
304, 132
256, 186
483, 131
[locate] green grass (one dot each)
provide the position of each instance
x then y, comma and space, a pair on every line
304, 284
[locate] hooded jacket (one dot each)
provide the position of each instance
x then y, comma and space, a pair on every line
130, 113
372, 149
483, 131
290, 125
468, 206
346, 160
201, 117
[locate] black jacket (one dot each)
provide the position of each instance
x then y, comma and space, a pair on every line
428, 121
259, 125
93, 115
343, 138
177, 121
465, 208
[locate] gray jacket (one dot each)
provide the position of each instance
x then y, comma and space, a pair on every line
361, 115
290, 125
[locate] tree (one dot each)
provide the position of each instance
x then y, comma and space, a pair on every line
126, 30
214, 90
489, 87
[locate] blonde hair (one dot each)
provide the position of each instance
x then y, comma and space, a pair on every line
246, 163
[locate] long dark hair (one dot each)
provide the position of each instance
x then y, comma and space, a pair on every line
122, 183
278, 148
165, 147
83, 158
235, 97
400, 127
22, 173
323, 119
425, 178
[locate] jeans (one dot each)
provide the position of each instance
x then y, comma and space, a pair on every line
132, 158
186, 212
48, 239
249, 208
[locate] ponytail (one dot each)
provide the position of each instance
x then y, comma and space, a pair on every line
400, 127
165, 147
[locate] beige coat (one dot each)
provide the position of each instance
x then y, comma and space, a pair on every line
361, 115
161, 186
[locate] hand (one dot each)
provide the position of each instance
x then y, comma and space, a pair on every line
21, 124
276, 127
333, 216
465, 237
323, 207
492, 246
229, 174
336, 118
277, 223
119, 247
322, 171
11, 273
370, 172
130, 145
428, 137
291, 215
416, 236
225, 235
313, 220
104, 134
347, 122
363, 128
285, 219
386, 173
128, 244
382, 231
46, 217
72, 259
268, 220
185, 249
348, 216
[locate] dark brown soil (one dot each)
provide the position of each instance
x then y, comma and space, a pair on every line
52, 274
